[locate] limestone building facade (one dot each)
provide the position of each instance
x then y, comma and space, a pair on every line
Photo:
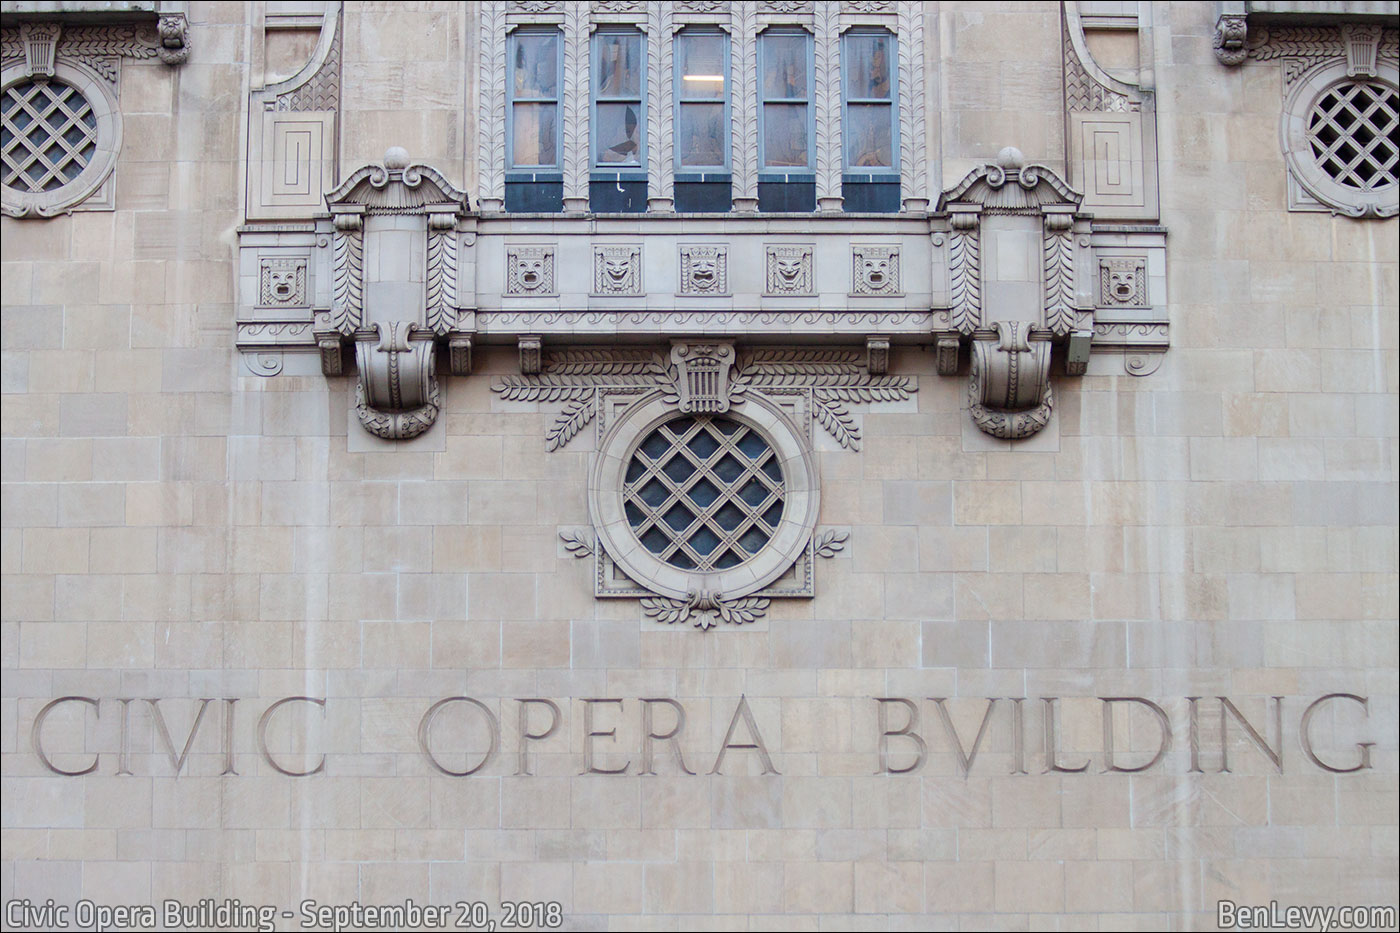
612, 464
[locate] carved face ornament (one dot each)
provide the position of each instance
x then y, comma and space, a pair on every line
531, 273
1122, 283
703, 273
877, 270
789, 269
617, 271
283, 283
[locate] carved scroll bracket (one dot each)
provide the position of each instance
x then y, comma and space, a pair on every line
392, 308
1019, 273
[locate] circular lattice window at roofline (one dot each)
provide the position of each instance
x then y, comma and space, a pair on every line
1341, 139
709, 504
59, 138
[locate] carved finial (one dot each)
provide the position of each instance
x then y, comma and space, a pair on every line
396, 158
1010, 158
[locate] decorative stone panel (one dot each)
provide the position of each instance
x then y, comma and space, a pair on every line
530, 271
293, 126
617, 270
704, 269
789, 270
875, 270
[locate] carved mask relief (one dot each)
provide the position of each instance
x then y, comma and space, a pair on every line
282, 283
530, 270
704, 270
875, 270
1123, 282
789, 270
617, 270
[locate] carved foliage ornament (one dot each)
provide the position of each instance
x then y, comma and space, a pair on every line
704, 490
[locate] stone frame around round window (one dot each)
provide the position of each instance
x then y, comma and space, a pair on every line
1298, 106
103, 101
794, 531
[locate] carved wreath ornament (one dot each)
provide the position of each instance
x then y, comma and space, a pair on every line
704, 494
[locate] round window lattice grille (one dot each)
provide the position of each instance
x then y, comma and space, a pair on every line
49, 135
1354, 132
704, 493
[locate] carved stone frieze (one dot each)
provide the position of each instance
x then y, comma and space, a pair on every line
530, 271
617, 270
789, 270
875, 270
704, 269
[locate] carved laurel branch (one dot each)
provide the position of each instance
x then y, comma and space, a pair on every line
836, 378
442, 280
829, 542
577, 543
1059, 283
348, 257
1307, 42
127, 41
965, 262
704, 612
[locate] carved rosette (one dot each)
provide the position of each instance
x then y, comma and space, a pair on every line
774, 395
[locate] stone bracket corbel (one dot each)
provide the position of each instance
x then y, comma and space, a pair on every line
1009, 393
397, 396
174, 31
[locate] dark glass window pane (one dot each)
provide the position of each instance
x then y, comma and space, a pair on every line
535, 67
785, 142
868, 66
869, 141
700, 135
619, 134
619, 65
785, 67
535, 136
702, 66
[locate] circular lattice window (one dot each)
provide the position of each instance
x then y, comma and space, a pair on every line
710, 504
1355, 134
704, 493
58, 139
1341, 139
